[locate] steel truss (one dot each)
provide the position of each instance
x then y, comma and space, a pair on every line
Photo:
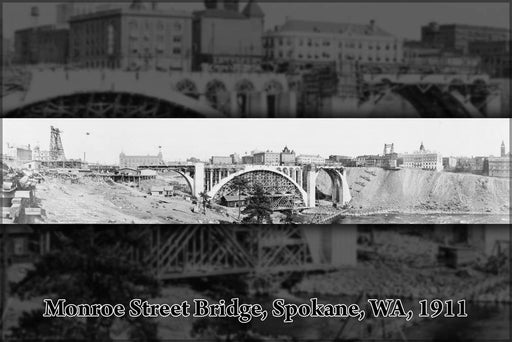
198, 251
110, 104
283, 194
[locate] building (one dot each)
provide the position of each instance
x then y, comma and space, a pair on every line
503, 151
371, 160
342, 160
423, 58
497, 167
126, 161
248, 160
287, 156
226, 39
66, 10
303, 44
18, 153
40, 155
219, 160
7, 51
495, 56
134, 37
47, 44
266, 158
459, 36
423, 159
307, 159
235, 158
449, 163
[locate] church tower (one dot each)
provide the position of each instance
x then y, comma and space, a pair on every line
503, 151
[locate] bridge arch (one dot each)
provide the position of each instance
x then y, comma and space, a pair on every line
183, 174
187, 87
91, 93
340, 191
283, 190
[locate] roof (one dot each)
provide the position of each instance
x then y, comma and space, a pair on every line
253, 10
232, 198
219, 13
331, 27
157, 188
22, 194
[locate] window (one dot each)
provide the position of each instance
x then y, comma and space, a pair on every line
176, 39
176, 51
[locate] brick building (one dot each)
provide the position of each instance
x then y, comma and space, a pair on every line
134, 37
226, 39
42, 44
126, 161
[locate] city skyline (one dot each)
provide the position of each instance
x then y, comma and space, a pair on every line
184, 138
385, 14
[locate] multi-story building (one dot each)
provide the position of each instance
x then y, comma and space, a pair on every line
423, 159
40, 155
7, 51
66, 10
226, 39
342, 160
449, 162
42, 44
306, 159
266, 158
420, 57
459, 36
235, 158
136, 161
494, 55
304, 43
220, 160
287, 156
371, 160
134, 37
497, 167
248, 160
18, 153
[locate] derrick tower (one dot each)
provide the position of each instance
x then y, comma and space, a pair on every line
56, 148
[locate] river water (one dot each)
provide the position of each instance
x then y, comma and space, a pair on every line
398, 218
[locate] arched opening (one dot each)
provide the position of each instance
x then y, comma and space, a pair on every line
107, 105
272, 90
188, 88
217, 95
178, 181
282, 191
243, 90
329, 188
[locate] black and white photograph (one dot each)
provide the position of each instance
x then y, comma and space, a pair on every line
270, 171
464, 269
221, 58
255, 170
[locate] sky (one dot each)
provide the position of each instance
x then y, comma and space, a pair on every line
203, 138
401, 19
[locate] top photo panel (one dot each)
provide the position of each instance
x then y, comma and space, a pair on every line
255, 59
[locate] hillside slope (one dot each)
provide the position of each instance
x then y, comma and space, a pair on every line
410, 189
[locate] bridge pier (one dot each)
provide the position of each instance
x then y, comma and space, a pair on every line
199, 179
311, 187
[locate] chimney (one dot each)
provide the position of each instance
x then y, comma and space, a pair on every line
372, 24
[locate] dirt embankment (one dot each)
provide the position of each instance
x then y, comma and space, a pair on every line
425, 191
97, 201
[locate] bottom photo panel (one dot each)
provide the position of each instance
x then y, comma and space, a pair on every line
255, 282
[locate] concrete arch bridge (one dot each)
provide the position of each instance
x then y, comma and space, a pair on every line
434, 95
117, 93
289, 187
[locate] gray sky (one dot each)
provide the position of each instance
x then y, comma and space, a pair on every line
202, 138
401, 19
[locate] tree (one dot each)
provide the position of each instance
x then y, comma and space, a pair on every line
205, 199
240, 184
258, 207
93, 266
